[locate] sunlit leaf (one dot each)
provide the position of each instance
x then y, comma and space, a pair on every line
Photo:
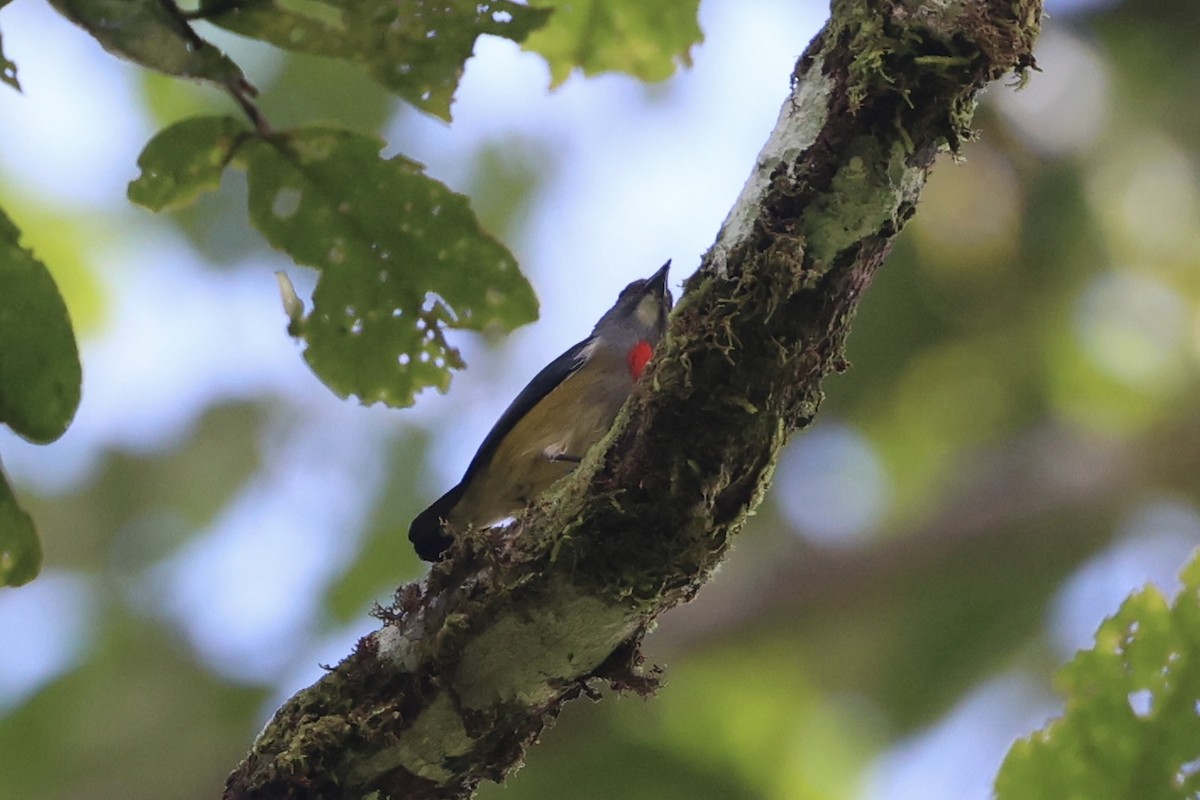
39, 363
401, 258
153, 34
416, 48
646, 40
1131, 729
20, 550
185, 160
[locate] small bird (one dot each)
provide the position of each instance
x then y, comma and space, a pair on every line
547, 429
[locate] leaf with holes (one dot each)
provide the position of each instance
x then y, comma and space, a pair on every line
416, 48
646, 40
401, 258
1131, 727
185, 160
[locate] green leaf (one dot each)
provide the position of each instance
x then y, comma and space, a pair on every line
1131, 730
401, 258
416, 48
20, 550
644, 39
152, 33
185, 160
39, 363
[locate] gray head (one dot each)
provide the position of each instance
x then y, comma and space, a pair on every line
640, 313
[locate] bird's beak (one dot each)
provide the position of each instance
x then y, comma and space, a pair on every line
658, 281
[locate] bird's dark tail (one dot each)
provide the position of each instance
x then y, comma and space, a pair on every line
427, 532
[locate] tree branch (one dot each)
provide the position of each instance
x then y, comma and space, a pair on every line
472, 664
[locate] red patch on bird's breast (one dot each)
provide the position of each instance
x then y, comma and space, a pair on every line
639, 354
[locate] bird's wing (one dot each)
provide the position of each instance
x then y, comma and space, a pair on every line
426, 532
542, 384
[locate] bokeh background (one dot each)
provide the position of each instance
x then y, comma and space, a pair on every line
1016, 447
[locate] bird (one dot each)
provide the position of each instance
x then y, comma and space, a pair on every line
548, 428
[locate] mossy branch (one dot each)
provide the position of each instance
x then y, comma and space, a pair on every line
471, 664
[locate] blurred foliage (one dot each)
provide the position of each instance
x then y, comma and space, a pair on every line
503, 173
741, 722
140, 507
416, 48
1131, 728
644, 39
385, 550
152, 726
334, 92
1024, 368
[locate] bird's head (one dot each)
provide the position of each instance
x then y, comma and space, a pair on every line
638, 319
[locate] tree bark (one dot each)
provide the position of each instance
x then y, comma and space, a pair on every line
472, 663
